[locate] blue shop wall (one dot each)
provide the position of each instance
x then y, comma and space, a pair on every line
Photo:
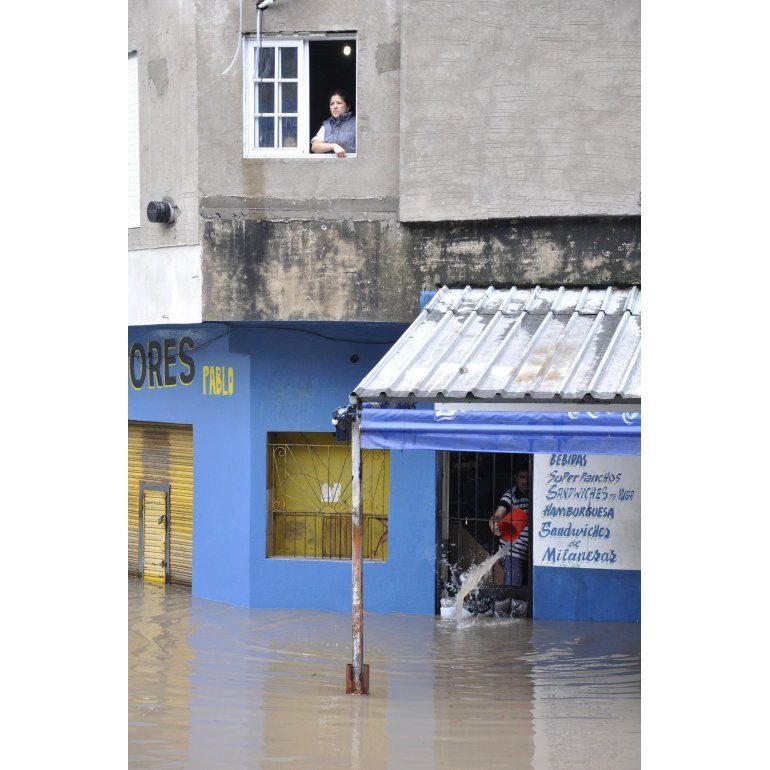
569, 593
300, 372
221, 451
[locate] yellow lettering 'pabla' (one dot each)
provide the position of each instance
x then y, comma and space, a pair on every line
216, 381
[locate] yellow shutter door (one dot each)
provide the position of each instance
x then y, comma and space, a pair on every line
162, 453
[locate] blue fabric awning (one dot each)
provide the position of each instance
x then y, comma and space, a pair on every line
614, 433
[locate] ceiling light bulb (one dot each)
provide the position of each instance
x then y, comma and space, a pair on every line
346, 50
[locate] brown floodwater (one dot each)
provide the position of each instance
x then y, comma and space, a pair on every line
214, 686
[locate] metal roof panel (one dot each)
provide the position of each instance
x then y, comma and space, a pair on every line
516, 343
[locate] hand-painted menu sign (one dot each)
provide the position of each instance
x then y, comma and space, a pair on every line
586, 511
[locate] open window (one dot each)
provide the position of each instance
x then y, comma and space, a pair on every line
288, 82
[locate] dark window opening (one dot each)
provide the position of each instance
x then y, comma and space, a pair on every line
332, 65
472, 485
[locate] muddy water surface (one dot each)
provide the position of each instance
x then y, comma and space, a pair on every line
213, 686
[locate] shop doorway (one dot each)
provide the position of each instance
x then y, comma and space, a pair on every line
160, 483
471, 486
154, 526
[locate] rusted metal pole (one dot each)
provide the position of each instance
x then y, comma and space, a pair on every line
357, 673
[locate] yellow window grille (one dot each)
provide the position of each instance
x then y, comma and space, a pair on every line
310, 500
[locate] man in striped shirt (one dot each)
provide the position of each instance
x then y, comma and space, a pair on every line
514, 563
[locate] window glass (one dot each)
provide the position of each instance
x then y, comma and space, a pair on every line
266, 98
266, 132
288, 62
288, 97
267, 62
288, 132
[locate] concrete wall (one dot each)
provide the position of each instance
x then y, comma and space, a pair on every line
287, 378
374, 269
166, 286
163, 34
519, 109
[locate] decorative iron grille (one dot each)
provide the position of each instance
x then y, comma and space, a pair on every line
310, 498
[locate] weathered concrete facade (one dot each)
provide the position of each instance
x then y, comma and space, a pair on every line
498, 144
375, 269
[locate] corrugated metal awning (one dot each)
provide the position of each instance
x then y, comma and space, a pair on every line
511, 344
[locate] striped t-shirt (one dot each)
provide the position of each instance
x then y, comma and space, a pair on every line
510, 500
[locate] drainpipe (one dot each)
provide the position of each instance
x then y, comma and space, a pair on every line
357, 673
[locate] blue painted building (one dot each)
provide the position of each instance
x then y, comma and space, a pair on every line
253, 380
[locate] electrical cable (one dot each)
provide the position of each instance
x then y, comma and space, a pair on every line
273, 327
318, 334
239, 45
203, 344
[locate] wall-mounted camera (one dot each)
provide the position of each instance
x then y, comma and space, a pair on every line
163, 212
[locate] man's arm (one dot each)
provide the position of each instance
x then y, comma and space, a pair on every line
496, 516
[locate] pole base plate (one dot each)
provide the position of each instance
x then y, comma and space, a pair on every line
349, 690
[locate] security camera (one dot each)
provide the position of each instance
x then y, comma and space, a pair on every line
164, 212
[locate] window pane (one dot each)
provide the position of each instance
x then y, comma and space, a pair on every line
288, 132
266, 132
288, 62
267, 62
266, 101
288, 97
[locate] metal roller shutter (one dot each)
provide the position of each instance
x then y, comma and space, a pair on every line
163, 453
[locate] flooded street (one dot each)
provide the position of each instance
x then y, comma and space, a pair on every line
213, 686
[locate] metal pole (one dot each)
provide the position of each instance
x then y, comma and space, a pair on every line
357, 673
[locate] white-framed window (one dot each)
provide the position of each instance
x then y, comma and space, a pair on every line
134, 204
277, 103
286, 83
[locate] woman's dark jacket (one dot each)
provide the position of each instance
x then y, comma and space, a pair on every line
341, 131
